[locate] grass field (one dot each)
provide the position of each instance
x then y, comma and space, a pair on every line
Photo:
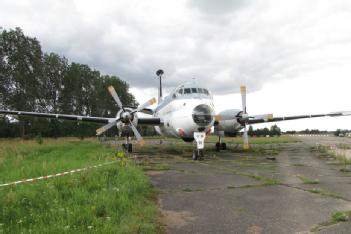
109, 199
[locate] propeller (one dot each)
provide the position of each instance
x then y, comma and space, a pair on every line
126, 116
244, 117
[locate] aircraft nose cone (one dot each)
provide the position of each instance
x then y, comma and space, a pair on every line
203, 115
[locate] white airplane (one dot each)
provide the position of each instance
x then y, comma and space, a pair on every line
187, 113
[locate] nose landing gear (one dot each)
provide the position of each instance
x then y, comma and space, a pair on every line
198, 155
199, 137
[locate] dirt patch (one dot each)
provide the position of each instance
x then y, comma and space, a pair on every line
254, 230
176, 219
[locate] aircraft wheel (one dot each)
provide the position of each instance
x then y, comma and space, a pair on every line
218, 146
130, 148
201, 155
223, 146
195, 155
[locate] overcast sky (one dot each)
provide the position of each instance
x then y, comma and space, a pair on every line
294, 56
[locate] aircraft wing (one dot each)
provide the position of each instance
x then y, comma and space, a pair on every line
147, 111
58, 116
265, 119
141, 121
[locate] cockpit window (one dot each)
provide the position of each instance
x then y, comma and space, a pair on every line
187, 91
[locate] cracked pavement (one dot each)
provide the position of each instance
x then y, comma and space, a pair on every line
239, 192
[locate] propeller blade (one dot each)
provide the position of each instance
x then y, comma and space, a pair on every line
243, 98
106, 127
146, 104
113, 93
137, 134
246, 139
265, 117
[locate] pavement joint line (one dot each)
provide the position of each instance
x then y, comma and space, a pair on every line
283, 184
292, 165
56, 174
253, 176
229, 187
306, 190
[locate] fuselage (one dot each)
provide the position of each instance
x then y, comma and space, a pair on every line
188, 109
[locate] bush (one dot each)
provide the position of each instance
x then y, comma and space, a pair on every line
39, 139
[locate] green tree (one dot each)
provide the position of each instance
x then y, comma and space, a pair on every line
251, 132
33, 81
275, 131
22, 66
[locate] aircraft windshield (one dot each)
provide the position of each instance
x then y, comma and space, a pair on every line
186, 91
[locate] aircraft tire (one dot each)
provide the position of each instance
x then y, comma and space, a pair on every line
218, 147
195, 155
223, 146
201, 155
130, 148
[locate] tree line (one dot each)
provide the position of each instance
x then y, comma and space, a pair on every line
307, 131
342, 132
31, 80
272, 131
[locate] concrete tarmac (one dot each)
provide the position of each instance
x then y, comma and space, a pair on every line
237, 192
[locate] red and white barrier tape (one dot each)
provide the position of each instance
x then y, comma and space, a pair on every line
56, 175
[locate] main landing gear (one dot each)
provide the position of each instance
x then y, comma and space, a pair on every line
220, 145
199, 137
128, 146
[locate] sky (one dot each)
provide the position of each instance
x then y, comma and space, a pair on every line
293, 56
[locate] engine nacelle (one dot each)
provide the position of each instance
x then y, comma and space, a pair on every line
228, 122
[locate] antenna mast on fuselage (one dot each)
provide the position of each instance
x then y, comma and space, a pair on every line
159, 73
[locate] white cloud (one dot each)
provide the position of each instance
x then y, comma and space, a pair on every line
223, 44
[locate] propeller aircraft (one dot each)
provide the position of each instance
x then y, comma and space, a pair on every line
187, 112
